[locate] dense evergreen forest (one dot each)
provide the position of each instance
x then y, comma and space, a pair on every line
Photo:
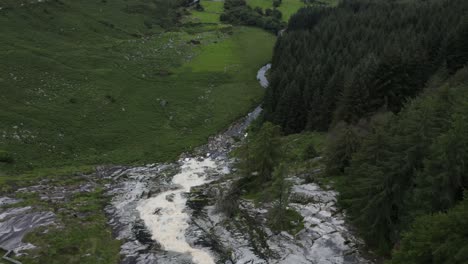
362, 57
388, 80
400, 167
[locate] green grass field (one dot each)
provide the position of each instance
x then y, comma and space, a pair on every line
211, 11
84, 240
85, 83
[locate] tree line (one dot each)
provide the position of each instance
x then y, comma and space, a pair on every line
262, 176
388, 80
401, 169
239, 13
362, 57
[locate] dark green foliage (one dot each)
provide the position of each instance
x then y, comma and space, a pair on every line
276, 3
309, 152
438, 238
445, 175
372, 199
342, 143
239, 13
307, 18
362, 68
280, 186
357, 91
280, 189
408, 165
457, 48
228, 203
259, 10
360, 58
260, 155
6, 157
280, 217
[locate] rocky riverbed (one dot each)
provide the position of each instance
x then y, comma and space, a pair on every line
167, 213
16, 222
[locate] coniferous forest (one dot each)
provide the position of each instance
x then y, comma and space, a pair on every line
388, 81
363, 57
132, 131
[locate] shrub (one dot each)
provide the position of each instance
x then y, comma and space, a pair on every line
6, 157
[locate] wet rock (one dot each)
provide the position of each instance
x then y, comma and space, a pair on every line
243, 239
8, 201
17, 222
142, 234
197, 203
261, 75
129, 186
170, 197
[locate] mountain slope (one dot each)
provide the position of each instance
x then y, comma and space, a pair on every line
92, 82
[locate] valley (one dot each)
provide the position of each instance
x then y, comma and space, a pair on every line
234, 131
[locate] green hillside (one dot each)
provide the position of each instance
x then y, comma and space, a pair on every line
93, 82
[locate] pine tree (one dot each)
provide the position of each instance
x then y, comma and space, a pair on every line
438, 238
281, 191
354, 103
342, 143
263, 153
445, 174
373, 190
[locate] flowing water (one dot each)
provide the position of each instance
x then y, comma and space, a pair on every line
157, 218
156, 215
165, 216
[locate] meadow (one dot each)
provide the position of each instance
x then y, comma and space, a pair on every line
87, 83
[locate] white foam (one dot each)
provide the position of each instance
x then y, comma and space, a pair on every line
169, 224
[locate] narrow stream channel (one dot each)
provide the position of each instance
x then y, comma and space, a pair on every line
154, 212
165, 215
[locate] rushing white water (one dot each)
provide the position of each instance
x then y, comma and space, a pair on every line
165, 215
261, 75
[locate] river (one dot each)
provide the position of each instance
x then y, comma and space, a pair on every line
165, 213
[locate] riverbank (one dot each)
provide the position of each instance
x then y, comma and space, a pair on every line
118, 98
167, 213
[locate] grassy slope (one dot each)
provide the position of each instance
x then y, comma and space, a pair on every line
211, 12
79, 88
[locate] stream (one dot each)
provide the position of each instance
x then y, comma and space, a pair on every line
167, 213
149, 204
